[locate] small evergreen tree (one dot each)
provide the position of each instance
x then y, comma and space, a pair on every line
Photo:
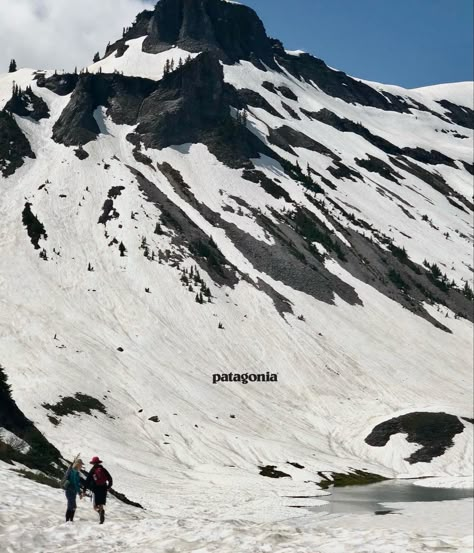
435, 271
96, 57
12, 67
122, 249
467, 291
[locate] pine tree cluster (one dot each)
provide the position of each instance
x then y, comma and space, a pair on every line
192, 280
170, 65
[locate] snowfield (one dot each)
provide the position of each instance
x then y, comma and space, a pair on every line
109, 314
29, 522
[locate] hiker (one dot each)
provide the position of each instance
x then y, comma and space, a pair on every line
99, 481
72, 487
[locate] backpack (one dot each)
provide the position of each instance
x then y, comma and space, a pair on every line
100, 476
65, 482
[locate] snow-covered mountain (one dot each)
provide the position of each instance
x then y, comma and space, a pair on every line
200, 202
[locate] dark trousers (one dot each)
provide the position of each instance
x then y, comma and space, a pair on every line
71, 504
71, 500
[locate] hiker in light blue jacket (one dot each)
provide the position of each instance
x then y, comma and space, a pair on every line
72, 486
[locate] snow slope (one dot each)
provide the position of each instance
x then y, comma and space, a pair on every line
342, 355
125, 331
35, 527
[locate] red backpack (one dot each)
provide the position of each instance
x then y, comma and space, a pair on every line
100, 476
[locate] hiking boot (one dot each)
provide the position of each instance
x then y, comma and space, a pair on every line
102, 516
68, 515
71, 516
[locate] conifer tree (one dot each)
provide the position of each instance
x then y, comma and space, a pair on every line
467, 291
96, 57
12, 67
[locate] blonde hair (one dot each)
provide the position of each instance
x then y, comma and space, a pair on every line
78, 462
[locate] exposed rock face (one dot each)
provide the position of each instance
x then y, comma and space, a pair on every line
233, 31
191, 105
122, 96
433, 431
26, 103
59, 84
14, 145
460, 115
287, 138
336, 83
42, 455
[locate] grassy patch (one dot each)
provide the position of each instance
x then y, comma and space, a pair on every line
355, 478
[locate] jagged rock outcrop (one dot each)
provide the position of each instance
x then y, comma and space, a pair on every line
26, 103
234, 32
14, 145
122, 96
191, 105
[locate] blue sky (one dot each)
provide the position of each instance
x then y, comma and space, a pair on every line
406, 42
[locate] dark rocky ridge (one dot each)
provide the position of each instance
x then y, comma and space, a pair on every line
59, 84
122, 96
296, 262
460, 115
336, 83
26, 103
287, 138
42, 455
188, 234
433, 431
14, 146
234, 32
327, 117
247, 97
189, 105
288, 260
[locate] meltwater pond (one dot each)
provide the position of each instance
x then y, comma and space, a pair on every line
372, 497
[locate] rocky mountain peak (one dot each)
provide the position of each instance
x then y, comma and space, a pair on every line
233, 31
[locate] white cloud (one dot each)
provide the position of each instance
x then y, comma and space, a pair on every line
61, 34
